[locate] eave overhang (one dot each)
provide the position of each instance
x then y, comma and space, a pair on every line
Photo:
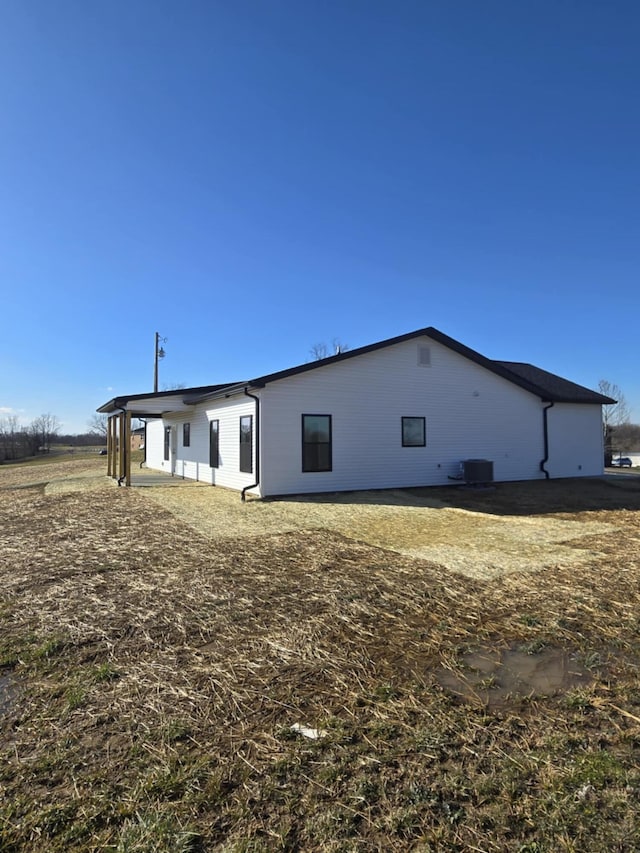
547, 386
155, 405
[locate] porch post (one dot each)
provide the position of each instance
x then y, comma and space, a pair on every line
122, 450
127, 448
114, 446
110, 448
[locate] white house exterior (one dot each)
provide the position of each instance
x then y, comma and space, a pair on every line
403, 412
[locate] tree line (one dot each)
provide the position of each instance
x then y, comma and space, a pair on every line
18, 441
620, 435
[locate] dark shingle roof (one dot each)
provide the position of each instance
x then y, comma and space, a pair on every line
543, 384
554, 387
547, 386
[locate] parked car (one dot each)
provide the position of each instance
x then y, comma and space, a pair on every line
621, 462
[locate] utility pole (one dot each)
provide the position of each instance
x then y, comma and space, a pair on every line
160, 353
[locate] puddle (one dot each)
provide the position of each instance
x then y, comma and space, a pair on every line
8, 695
494, 677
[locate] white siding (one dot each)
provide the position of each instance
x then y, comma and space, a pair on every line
192, 462
470, 413
575, 440
228, 413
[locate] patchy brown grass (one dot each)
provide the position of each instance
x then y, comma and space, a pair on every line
157, 646
416, 523
53, 470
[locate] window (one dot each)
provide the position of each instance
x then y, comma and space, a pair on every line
186, 435
316, 443
214, 451
246, 444
167, 443
414, 433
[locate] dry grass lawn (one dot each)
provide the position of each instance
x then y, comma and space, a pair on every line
468, 660
417, 523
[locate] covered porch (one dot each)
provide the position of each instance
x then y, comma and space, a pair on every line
120, 412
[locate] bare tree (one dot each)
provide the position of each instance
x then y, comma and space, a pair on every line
322, 350
5, 452
98, 425
626, 438
11, 439
318, 351
614, 415
43, 429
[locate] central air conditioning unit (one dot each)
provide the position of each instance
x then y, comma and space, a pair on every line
477, 472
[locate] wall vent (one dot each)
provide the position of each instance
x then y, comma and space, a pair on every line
424, 356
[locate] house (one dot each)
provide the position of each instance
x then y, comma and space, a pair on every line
414, 410
137, 438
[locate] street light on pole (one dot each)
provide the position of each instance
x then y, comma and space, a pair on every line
160, 353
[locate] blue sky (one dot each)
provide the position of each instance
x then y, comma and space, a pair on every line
250, 178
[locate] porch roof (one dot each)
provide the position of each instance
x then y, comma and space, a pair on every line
154, 405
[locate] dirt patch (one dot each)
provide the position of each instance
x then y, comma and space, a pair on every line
8, 694
493, 678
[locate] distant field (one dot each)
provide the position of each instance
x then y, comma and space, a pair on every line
432, 670
57, 452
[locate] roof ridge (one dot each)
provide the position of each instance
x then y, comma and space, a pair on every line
535, 380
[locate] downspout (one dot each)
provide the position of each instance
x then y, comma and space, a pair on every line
545, 429
123, 448
144, 454
257, 482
